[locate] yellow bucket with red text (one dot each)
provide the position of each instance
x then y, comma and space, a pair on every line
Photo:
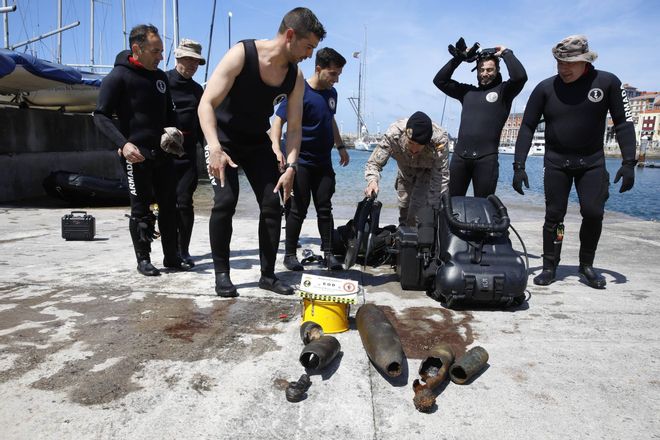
331, 316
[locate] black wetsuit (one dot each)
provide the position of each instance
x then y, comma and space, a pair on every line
575, 116
243, 122
141, 100
485, 109
186, 94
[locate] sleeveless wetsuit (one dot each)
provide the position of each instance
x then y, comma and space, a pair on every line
243, 122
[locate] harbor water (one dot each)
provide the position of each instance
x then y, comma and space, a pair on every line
641, 202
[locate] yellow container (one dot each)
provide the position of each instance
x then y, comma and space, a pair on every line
331, 316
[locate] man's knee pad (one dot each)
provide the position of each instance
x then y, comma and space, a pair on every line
270, 210
593, 212
324, 213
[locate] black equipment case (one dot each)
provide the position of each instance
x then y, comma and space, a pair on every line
478, 264
78, 226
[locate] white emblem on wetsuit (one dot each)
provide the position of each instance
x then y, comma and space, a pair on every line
492, 97
596, 95
279, 98
332, 104
160, 85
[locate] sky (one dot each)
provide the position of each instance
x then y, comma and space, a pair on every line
406, 41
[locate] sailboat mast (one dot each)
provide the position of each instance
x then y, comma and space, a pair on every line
59, 35
175, 16
123, 23
91, 36
164, 33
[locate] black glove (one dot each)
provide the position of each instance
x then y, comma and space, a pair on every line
458, 51
627, 171
472, 54
519, 177
146, 227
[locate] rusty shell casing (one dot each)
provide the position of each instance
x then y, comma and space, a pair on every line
320, 352
380, 339
442, 356
433, 370
466, 367
310, 331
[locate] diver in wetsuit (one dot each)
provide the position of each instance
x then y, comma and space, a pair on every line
137, 92
574, 104
252, 78
186, 94
484, 113
315, 176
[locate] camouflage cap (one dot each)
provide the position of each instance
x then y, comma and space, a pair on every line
574, 48
189, 48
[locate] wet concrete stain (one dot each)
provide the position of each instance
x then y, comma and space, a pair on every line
421, 328
514, 330
153, 328
560, 316
201, 382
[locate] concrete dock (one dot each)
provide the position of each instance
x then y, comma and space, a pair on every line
91, 349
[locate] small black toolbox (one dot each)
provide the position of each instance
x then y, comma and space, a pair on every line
78, 226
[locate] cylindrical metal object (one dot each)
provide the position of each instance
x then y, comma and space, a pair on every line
310, 331
466, 367
437, 365
319, 353
433, 370
380, 339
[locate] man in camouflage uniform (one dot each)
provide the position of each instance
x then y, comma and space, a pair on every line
420, 148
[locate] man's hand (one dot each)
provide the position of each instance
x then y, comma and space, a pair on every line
627, 171
218, 160
500, 49
343, 157
131, 153
459, 50
371, 189
286, 183
520, 177
281, 161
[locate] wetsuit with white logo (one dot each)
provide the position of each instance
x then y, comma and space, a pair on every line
575, 116
142, 102
485, 110
315, 175
243, 122
186, 94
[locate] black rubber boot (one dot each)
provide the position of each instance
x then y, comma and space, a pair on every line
291, 263
223, 285
547, 275
593, 278
270, 282
178, 264
187, 259
147, 269
331, 262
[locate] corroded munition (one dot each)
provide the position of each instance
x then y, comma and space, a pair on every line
310, 331
320, 352
380, 340
433, 370
473, 362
